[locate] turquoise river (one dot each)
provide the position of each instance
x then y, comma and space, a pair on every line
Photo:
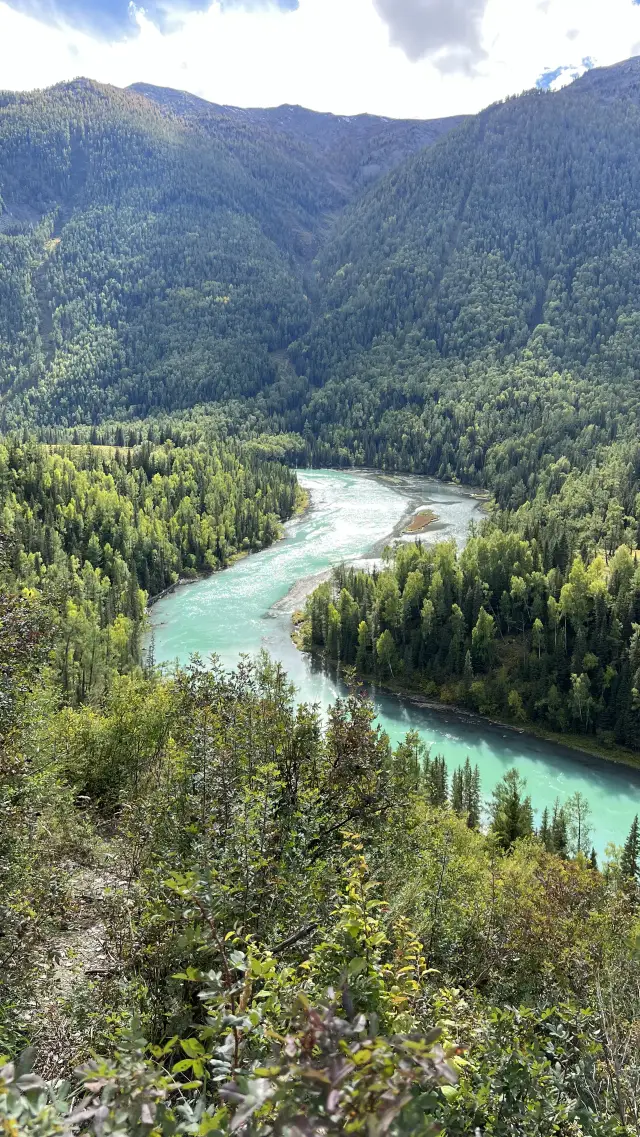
352, 516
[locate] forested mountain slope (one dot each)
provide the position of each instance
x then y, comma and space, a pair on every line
480, 304
358, 147
145, 262
518, 232
617, 81
153, 258
158, 251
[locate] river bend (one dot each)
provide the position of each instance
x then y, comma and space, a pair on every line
352, 516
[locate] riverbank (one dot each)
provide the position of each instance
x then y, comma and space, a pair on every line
247, 609
303, 503
577, 743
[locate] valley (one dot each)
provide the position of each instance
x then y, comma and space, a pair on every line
383, 375
248, 609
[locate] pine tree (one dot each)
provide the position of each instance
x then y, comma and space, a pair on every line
593, 860
407, 763
559, 832
364, 640
511, 810
473, 798
437, 781
457, 792
629, 859
465, 793
467, 675
544, 832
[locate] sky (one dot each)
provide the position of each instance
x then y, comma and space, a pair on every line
401, 58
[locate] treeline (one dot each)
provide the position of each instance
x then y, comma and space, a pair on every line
95, 531
565, 831
499, 427
501, 627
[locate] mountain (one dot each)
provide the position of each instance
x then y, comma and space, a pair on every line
360, 147
160, 251
454, 290
621, 80
157, 252
146, 262
520, 231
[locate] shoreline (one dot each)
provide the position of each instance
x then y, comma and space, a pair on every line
302, 506
574, 744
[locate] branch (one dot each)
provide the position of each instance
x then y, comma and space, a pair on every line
294, 939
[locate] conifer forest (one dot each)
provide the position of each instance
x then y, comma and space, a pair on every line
224, 910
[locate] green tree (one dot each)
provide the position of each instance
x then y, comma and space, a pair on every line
559, 832
457, 792
511, 812
364, 647
387, 654
465, 793
581, 700
467, 675
629, 863
537, 636
482, 639
333, 632
436, 777
516, 706
544, 832
578, 814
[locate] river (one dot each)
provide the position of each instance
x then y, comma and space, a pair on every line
352, 516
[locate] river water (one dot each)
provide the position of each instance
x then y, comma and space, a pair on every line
353, 514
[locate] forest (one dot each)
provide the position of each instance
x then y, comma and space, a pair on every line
156, 261
221, 915
94, 532
497, 630
221, 911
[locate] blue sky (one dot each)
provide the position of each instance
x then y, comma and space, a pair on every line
402, 58
116, 19
554, 78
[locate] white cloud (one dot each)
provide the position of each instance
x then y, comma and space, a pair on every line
447, 31
329, 54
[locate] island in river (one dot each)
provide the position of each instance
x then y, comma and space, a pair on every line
352, 516
421, 521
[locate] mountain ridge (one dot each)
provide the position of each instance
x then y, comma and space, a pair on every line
156, 259
362, 146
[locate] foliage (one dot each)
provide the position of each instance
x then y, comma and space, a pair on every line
95, 531
505, 626
220, 911
268, 971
